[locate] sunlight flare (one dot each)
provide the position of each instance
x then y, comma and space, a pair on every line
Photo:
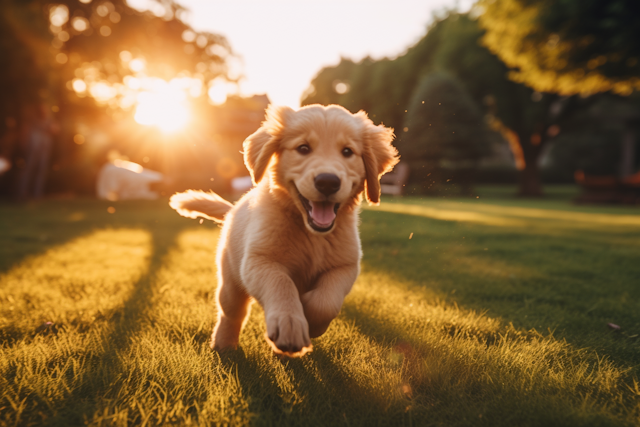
165, 107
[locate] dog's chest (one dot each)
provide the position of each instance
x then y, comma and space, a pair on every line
317, 256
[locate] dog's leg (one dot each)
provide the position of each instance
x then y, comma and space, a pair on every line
323, 303
233, 309
287, 328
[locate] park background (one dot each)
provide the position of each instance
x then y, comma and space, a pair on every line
499, 283
511, 103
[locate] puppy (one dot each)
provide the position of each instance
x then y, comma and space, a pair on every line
292, 243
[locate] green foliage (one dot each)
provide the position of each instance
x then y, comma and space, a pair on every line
592, 137
443, 129
443, 123
45, 47
39, 57
451, 45
528, 120
590, 151
384, 88
568, 47
131, 297
24, 57
323, 86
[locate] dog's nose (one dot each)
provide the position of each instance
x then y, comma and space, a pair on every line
327, 183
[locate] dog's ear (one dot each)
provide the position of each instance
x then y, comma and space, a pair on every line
260, 146
379, 156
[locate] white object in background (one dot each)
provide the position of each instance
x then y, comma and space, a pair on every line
241, 184
124, 180
5, 165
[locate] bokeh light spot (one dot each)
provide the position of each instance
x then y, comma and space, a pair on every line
136, 65
202, 41
125, 56
61, 58
342, 88
102, 10
188, 36
218, 91
58, 15
79, 24
79, 85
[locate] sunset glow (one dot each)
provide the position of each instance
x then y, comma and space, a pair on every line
165, 108
334, 29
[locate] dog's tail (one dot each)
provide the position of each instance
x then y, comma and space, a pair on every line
194, 204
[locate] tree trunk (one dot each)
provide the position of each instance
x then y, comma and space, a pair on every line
628, 153
530, 182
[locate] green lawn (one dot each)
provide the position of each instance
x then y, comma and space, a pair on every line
490, 311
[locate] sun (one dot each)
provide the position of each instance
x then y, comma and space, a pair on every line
164, 107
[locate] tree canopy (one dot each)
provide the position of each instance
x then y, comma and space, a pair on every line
443, 125
92, 62
443, 133
45, 46
384, 88
567, 47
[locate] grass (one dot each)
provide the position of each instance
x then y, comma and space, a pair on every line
493, 313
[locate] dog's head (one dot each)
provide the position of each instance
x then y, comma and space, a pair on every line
323, 156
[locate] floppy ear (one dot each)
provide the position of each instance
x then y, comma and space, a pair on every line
379, 156
263, 143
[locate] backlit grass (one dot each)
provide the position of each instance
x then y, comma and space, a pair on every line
492, 313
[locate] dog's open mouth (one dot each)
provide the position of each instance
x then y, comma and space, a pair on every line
320, 215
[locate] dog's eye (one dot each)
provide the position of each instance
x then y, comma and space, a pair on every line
303, 149
347, 152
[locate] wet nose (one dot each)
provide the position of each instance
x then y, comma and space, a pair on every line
327, 183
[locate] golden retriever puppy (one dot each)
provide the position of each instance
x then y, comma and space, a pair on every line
292, 243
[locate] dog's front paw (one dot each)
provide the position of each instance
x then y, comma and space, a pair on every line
288, 334
320, 310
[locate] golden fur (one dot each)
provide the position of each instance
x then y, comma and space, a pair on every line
275, 246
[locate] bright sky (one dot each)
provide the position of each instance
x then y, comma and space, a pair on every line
284, 43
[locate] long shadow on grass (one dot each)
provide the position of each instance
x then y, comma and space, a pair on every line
570, 283
80, 404
320, 390
31, 229
444, 386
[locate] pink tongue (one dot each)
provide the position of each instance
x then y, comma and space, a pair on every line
322, 213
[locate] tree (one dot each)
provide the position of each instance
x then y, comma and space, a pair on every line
567, 47
325, 89
44, 44
360, 87
443, 131
85, 60
527, 119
